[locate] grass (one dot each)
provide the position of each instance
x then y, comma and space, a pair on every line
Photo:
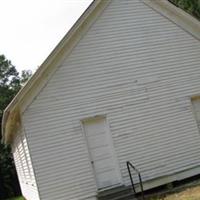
190, 193
16, 198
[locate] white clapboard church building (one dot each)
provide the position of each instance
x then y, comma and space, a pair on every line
123, 85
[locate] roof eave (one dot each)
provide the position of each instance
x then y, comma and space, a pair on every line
46, 70
26, 95
176, 15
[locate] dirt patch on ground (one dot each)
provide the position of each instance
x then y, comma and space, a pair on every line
190, 193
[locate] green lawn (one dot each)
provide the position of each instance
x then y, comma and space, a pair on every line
16, 198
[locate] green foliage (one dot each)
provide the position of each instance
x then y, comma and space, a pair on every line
17, 198
26, 74
10, 83
9, 86
190, 6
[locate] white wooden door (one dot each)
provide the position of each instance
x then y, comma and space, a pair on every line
101, 153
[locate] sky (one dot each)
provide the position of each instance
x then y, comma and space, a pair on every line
30, 29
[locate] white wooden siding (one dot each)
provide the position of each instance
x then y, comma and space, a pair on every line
196, 110
24, 168
139, 69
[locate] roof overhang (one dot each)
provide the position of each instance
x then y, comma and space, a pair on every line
176, 15
11, 122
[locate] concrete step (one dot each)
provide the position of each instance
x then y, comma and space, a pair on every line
118, 193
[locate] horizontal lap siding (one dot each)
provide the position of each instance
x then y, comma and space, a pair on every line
24, 168
66, 172
140, 70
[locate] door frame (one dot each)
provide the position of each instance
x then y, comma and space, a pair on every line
110, 140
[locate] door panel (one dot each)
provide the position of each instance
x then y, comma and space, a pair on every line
101, 152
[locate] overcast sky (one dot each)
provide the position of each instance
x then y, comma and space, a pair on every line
30, 29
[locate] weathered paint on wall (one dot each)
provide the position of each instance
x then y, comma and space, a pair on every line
140, 70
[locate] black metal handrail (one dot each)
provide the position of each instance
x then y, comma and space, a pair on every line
129, 164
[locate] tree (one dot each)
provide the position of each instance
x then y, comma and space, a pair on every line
9, 86
190, 6
10, 83
25, 75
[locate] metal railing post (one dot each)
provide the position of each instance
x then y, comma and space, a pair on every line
129, 164
141, 186
131, 178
